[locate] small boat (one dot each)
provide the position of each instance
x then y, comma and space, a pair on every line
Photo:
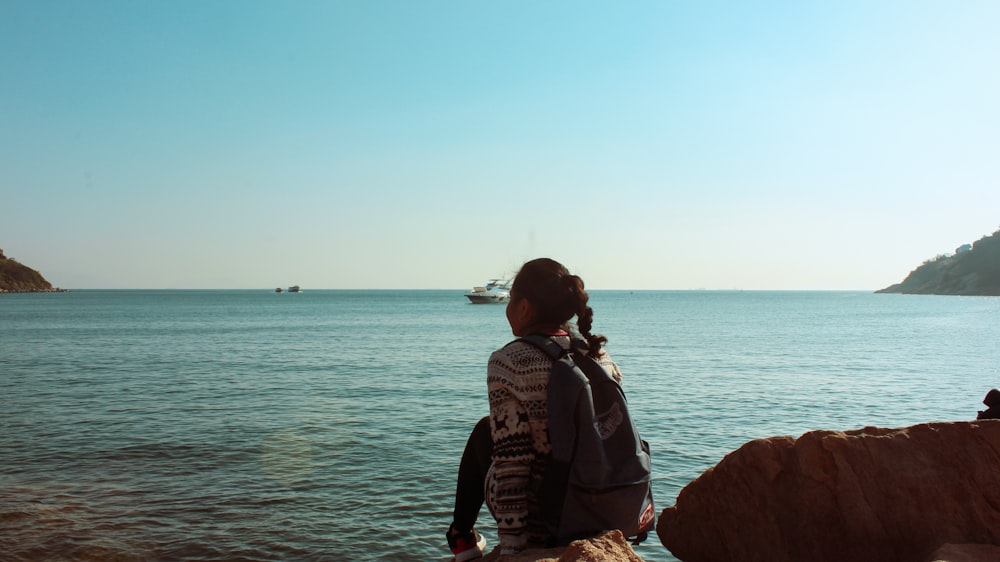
495, 291
278, 290
294, 289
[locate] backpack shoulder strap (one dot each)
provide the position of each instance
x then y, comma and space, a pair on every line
546, 344
567, 383
575, 354
595, 372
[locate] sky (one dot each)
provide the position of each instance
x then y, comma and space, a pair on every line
386, 144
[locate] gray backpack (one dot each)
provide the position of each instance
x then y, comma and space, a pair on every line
598, 476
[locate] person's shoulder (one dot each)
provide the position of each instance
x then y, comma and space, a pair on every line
517, 350
605, 360
519, 357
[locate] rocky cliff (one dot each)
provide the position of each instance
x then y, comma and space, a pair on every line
972, 270
870, 495
18, 278
608, 547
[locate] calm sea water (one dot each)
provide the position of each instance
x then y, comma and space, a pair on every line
327, 425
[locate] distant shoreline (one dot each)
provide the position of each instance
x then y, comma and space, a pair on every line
458, 289
53, 290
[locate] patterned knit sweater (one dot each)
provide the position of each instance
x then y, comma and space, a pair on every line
517, 378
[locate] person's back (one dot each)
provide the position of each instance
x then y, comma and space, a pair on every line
504, 457
517, 379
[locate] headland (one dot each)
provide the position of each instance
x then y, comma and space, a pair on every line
973, 270
16, 277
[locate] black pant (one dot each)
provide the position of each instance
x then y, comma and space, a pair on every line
469, 492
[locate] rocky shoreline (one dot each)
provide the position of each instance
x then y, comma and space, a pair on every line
973, 270
928, 492
924, 493
16, 277
610, 546
52, 290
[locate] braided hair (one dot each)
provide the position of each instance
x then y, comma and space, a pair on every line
557, 297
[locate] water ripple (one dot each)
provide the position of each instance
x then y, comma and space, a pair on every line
228, 425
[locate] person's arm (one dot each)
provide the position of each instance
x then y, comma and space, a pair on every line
513, 454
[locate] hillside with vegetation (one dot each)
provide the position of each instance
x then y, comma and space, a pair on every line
971, 270
16, 277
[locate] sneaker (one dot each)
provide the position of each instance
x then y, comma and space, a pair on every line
466, 546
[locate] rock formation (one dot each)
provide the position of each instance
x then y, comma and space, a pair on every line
972, 270
19, 278
966, 553
878, 495
608, 547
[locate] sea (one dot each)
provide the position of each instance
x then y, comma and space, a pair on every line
328, 425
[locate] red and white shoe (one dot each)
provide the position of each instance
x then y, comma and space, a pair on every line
466, 546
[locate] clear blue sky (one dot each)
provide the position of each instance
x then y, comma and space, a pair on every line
433, 144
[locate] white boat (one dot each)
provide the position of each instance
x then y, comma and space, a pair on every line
495, 291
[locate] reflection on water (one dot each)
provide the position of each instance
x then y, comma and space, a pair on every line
237, 425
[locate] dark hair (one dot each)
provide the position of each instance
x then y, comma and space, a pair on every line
557, 297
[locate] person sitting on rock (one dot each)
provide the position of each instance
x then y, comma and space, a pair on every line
992, 400
503, 459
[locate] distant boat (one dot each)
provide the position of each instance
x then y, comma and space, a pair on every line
278, 290
294, 289
495, 291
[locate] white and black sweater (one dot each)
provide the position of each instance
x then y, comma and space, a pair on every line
517, 379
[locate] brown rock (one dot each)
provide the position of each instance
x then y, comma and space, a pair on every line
966, 553
16, 277
867, 495
608, 547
